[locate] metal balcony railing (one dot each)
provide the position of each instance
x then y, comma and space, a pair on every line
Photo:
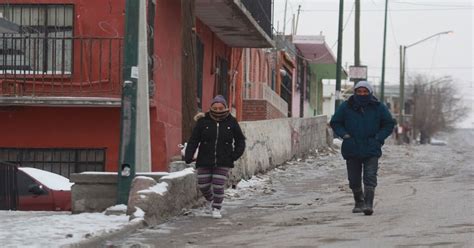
60, 66
263, 92
261, 11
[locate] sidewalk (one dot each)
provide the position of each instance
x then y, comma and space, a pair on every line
63, 229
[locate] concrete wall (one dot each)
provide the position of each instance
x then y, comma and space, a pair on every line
179, 191
95, 192
273, 142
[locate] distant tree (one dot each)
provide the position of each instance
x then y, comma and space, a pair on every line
437, 106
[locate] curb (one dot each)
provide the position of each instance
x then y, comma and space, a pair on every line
100, 241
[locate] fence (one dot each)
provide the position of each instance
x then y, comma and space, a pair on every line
60, 66
62, 161
261, 11
8, 186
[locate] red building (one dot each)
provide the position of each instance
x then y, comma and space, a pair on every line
60, 76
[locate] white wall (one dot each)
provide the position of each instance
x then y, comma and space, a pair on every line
273, 142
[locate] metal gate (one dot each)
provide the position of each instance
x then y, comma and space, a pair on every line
8, 186
62, 161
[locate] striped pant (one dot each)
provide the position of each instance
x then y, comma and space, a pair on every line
211, 181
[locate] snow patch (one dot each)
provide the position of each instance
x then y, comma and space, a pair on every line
145, 178
179, 174
253, 182
160, 188
120, 207
98, 173
54, 229
161, 173
139, 213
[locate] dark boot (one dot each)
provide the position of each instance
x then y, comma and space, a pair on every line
359, 200
369, 200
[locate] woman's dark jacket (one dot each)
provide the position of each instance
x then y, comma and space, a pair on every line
220, 143
368, 127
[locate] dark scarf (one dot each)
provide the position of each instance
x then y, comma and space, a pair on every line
360, 102
219, 115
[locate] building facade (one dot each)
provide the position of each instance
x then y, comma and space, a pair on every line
61, 76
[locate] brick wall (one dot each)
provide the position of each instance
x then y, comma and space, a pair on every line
254, 110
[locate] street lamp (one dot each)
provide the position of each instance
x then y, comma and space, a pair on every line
402, 71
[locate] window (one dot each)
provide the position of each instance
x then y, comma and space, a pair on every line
308, 83
62, 161
43, 44
286, 87
222, 87
199, 68
24, 184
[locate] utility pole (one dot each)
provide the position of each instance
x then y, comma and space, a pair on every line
382, 82
188, 68
126, 169
284, 18
402, 85
297, 19
339, 55
143, 147
293, 26
402, 72
273, 15
357, 37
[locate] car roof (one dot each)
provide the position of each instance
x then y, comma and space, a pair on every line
51, 180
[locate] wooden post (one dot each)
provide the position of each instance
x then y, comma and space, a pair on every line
188, 68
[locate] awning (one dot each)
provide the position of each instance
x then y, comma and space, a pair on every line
314, 49
232, 21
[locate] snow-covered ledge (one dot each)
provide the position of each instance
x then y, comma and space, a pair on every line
155, 200
96, 191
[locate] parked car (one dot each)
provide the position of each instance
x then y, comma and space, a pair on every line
41, 190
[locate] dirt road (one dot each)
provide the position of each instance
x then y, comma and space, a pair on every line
425, 198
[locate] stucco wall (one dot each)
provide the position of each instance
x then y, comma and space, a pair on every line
272, 142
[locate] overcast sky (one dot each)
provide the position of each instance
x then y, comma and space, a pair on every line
408, 21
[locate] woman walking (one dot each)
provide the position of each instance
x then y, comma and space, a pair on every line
221, 142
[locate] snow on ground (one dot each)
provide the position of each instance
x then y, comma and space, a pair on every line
53, 229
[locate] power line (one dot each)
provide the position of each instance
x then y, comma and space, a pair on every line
433, 5
324, 55
397, 10
392, 29
295, 53
428, 68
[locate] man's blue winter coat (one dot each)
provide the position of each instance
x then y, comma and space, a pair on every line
368, 127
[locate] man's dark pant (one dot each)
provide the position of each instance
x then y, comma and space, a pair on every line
370, 167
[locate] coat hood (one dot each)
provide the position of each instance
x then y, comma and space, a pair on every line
199, 116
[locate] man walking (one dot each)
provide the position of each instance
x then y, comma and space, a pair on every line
363, 123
